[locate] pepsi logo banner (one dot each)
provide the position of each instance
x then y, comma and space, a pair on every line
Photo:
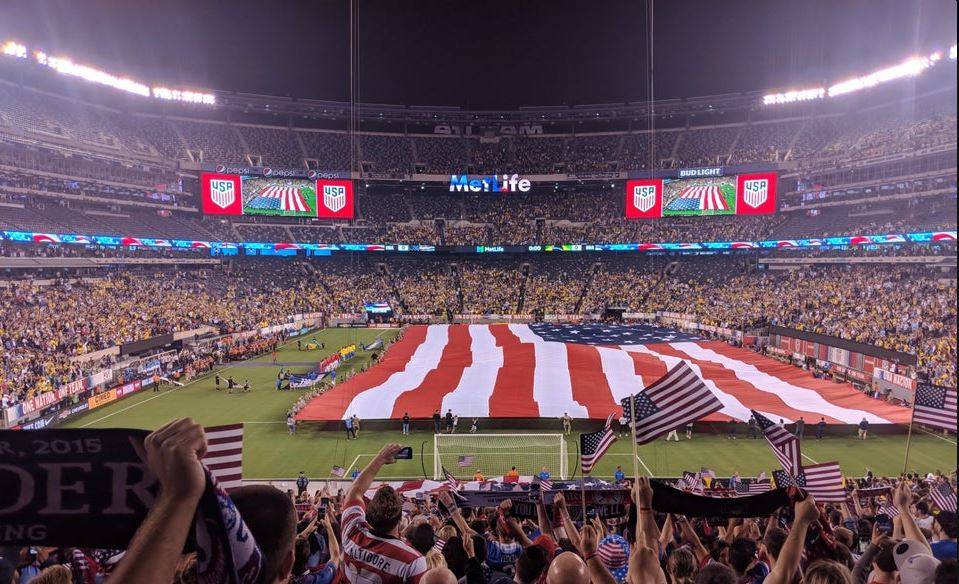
644, 199
221, 194
334, 199
756, 193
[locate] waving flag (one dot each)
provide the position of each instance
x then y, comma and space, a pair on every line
594, 445
935, 406
544, 370
451, 481
822, 481
679, 397
224, 454
752, 487
692, 482
944, 497
784, 444
465, 460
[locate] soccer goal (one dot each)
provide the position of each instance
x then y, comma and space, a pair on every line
494, 454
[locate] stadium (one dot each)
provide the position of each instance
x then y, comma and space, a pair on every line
691, 323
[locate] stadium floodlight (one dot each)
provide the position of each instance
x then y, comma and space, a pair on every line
794, 96
908, 68
14, 49
952, 52
68, 67
184, 95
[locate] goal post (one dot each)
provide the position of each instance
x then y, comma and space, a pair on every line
494, 454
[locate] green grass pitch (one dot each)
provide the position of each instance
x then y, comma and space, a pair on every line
271, 453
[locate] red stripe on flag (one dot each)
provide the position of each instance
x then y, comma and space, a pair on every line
513, 391
332, 404
838, 394
428, 396
590, 388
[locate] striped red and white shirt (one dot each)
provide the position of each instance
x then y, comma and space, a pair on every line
369, 558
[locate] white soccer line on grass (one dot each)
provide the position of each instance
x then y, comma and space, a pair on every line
649, 472
934, 435
352, 464
809, 458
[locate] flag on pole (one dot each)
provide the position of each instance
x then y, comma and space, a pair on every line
338, 471
824, 482
944, 497
545, 485
677, 398
594, 445
451, 481
465, 461
784, 444
935, 406
224, 454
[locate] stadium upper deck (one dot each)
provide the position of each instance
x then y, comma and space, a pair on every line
77, 159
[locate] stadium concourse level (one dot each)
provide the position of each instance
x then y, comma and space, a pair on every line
906, 308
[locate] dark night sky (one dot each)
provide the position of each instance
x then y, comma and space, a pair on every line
484, 53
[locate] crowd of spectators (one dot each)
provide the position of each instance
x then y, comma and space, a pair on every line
43, 326
368, 532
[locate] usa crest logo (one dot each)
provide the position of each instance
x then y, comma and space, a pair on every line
222, 193
755, 192
334, 197
644, 197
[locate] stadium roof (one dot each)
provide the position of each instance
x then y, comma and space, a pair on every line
491, 55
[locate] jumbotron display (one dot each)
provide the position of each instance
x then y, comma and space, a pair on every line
278, 196
738, 194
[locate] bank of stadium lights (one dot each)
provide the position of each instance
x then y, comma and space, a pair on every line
14, 49
908, 68
66, 66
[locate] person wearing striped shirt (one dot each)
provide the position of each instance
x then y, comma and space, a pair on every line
373, 552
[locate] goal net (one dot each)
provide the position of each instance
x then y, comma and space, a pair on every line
494, 454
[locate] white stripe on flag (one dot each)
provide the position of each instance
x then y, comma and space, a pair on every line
226, 469
620, 371
472, 394
552, 387
794, 396
377, 402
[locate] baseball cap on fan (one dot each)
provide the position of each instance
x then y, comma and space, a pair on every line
916, 565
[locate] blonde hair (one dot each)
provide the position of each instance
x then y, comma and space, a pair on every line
435, 559
827, 572
54, 575
446, 532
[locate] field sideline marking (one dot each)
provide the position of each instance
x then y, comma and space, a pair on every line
934, 435
200, 378
352, 464
644, 465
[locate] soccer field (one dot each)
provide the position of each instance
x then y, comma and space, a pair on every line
271, 453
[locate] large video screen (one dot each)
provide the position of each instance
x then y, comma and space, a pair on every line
284, 197
735, 194
234, 194
699, 196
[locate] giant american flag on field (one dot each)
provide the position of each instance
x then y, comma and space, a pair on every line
546, 370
